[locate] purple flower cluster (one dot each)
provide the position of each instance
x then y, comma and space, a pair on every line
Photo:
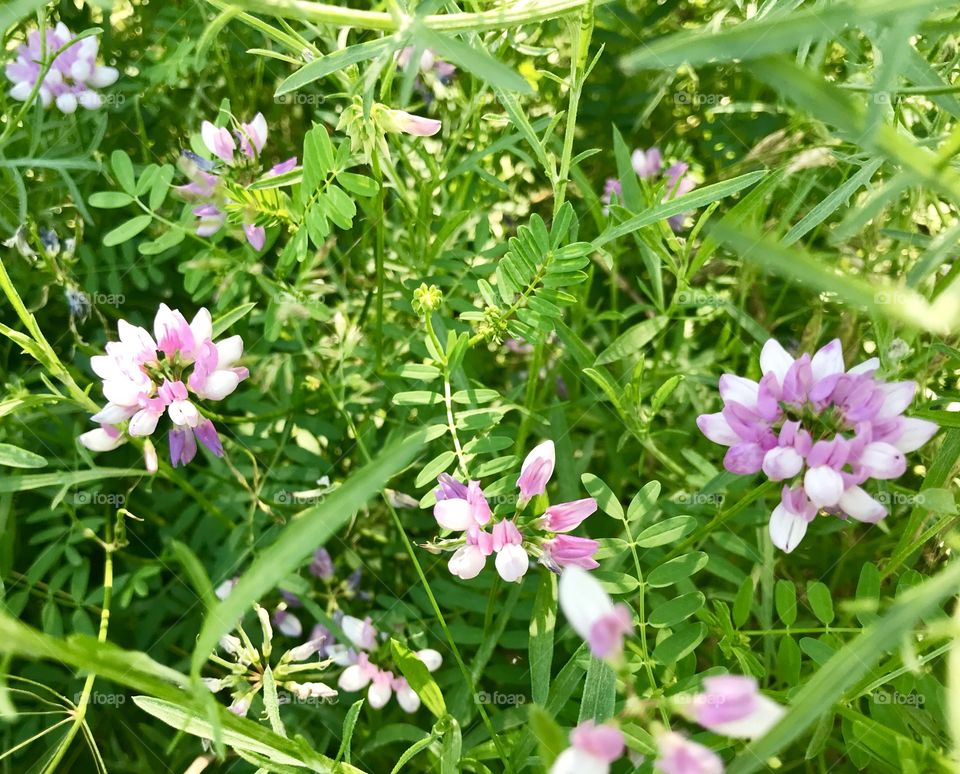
146, 376
463, 507
207, 187
823, 430
648, 165
72, 77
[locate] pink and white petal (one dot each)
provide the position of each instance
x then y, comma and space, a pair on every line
786, 528
220, 384
883, 460
453, 514
229, 351
782, 462
859, 505
717, 429
144, 422
915, 433
897, 396
775, 359
866, 367
766, 715
739, 390
512, 562
823, 485
827, 361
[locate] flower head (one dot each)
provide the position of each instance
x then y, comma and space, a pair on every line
145, 377
592, 614
73, 76
212, 187
592, 749
732, 705
462, 507
536, 470
826, 429
679, 755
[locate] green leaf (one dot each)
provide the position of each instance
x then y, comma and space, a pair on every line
452, 746
312, 527
677, 609
785, 596
829, 684
691, 201
543, 622
359, 185
349, 723
127, 231
195, 572
108, 200
821, 602
551, 739
15, 457
419, 678
272, 702
473, 59
680, 643
666, 531
604, 496
633, 340
64, 478
743, 602
599, 692
435, 467
644, 501
766, 34
339, 59
224, 321
677, 569
123, 170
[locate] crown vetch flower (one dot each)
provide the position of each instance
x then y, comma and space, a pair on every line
592, 614
592, 749
145, 377
382, 684
647, 163
679, 755
821, 428
239, 151
462, 507
732, 705
73, 76
536, 470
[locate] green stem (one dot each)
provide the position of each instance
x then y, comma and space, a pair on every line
498, 19
51, 360
581, 44
408, 545
84, 701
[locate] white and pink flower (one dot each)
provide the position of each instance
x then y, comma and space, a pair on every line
145, 377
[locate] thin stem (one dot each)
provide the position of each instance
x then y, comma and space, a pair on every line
581, 45
321, 13
408, 545
81, 710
